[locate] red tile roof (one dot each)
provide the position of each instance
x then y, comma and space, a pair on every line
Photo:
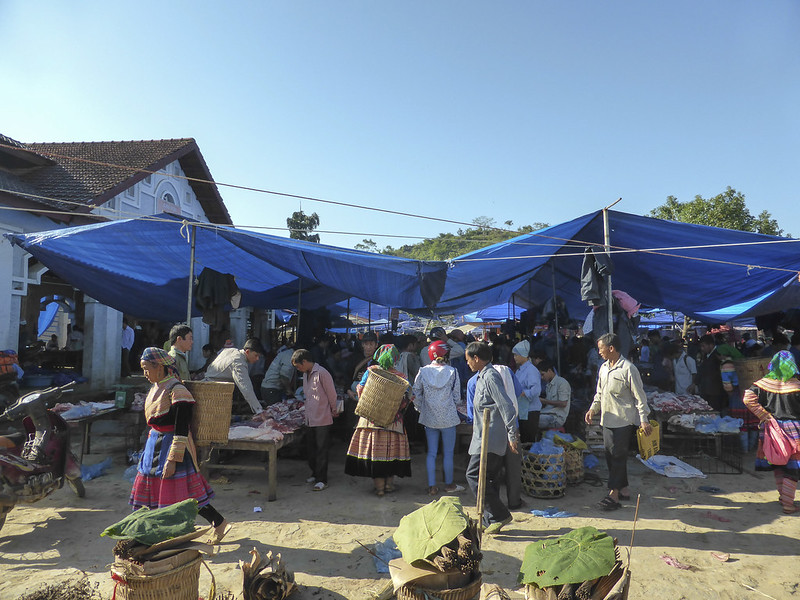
84, 175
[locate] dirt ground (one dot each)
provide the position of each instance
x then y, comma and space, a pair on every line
318, 532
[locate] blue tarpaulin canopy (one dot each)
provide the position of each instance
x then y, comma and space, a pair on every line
141, 267
706, 272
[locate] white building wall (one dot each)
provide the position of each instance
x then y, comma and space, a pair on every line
157, 193
164, 191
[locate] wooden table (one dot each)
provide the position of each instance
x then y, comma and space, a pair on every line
270, 447
87, 426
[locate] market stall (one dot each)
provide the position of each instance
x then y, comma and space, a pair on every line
695, 433
283, 426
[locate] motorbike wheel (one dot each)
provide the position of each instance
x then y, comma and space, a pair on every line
77, 487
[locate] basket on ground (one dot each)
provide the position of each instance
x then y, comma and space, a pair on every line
573, 465
412, 592
381, 397
182, 583
543, 475
211, 418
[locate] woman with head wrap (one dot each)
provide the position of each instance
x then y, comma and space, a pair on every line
777, 396
168, 470
530, 404
375, 451
437, 391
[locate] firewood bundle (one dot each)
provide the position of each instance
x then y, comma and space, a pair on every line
266, 577
596, 589
462, 554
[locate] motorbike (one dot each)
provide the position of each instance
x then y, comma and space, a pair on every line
38, 460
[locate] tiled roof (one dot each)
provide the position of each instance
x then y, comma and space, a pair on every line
87, 174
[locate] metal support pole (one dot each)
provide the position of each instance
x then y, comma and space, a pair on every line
193, 233
299, 303
555, 312
607, 244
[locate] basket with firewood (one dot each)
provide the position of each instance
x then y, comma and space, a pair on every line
441, 553
584, 564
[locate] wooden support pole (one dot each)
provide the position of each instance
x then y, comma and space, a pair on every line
487, 416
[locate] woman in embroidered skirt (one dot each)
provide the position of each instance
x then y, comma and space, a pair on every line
437, 390
380, 452
777, 396
168, 471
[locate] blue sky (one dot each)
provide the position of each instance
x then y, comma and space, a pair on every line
524, 110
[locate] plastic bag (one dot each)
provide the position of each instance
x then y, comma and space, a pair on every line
384, 552
130, 473
778, 447
89, 472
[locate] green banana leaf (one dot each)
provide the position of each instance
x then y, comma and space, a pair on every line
423, 532
152, 526
581, 555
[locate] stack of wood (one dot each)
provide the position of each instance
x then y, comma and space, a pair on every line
453, 573
462, 554
613, 586
266, 577
134, 559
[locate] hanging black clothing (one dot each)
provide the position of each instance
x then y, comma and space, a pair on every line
597, 264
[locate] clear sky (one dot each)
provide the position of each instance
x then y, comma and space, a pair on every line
529, 110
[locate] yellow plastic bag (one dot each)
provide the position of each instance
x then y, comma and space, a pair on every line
649, 444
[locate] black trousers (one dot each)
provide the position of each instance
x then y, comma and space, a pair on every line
494, 509
616, 442
318, 441
529, 428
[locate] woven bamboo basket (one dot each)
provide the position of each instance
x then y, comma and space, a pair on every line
381, 397
412, 592
543, 475
211, 418
573, 465
182, 583
749, 370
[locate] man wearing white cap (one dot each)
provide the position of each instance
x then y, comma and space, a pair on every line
530, 404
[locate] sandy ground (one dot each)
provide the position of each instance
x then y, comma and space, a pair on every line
317, 532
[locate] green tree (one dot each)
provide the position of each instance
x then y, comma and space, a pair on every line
367, 245
726, 210
449, 245
301, 225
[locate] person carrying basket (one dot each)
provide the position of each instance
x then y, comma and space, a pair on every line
381, 451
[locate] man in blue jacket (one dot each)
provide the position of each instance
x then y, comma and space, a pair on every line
503, 434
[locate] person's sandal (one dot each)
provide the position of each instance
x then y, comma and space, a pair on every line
433, 491
608, 503
454, 488
218, 534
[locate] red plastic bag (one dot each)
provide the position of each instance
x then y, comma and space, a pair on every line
778, 447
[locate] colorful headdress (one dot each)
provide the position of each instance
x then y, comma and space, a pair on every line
386, 356
160, 357
782, 366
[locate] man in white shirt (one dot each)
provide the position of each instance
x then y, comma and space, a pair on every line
622, 404
685, 369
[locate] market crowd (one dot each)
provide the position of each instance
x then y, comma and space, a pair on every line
524, 384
